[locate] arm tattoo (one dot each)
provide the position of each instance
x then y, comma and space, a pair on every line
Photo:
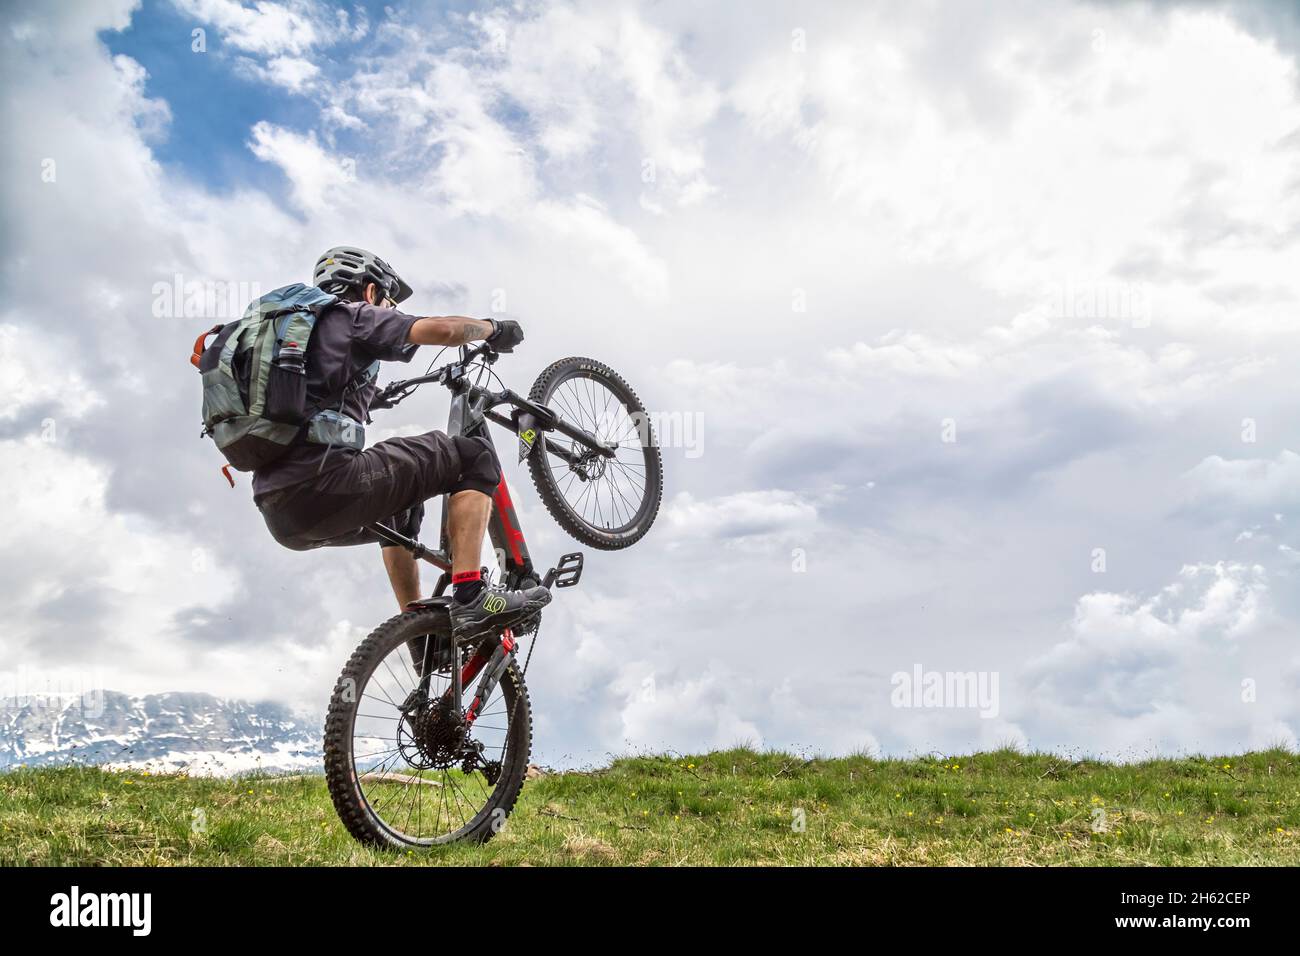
469, 331
449, 330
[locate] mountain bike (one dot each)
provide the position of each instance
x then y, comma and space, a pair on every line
413, 756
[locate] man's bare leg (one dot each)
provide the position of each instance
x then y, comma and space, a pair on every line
466, 525
467, 519
473, 615
403, 574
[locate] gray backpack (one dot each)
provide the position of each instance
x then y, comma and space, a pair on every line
255, 381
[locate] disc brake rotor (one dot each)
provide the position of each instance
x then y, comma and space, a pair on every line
591, 467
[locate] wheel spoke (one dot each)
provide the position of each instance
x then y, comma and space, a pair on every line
610, 493
395, 755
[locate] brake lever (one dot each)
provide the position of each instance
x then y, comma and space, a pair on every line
390, 395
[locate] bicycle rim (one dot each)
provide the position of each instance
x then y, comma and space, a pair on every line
408, 777
607, 494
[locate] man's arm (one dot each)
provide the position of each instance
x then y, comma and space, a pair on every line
449, 330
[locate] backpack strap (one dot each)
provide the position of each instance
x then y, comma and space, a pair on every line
370, 372
263, 348
227, 356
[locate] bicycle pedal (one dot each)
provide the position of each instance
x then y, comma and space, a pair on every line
527, 626
567, 572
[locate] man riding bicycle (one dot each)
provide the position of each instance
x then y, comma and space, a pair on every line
317, 495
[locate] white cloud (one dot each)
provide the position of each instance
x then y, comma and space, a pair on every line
1217, 602
656, 712
609, 244
571, 66
268, 28
312, 171
334, 115
134, 577
1265, 483
1090, 150
293, 73
483, 169
27, 380
746, 514
1163, 671
151, 116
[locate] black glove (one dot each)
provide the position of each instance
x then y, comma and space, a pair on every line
506, 334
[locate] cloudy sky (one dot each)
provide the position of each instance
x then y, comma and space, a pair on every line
983, 318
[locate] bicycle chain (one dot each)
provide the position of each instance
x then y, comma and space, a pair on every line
519, 688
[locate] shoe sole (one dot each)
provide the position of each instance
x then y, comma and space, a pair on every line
494, 626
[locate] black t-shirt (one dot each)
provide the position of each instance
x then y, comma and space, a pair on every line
347, 339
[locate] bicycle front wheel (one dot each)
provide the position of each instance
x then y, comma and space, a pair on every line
608, 503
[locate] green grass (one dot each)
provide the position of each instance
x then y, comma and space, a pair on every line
735, 807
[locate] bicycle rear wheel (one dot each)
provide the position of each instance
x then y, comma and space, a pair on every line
397, 769
607, 503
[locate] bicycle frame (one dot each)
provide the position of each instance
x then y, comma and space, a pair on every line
472, 408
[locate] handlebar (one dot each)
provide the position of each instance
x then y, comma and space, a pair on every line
449, 375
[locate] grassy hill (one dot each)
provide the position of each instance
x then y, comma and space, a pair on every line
732, 807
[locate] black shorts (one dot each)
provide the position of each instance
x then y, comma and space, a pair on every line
387, 483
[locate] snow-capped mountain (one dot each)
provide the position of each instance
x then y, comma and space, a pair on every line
197, 733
